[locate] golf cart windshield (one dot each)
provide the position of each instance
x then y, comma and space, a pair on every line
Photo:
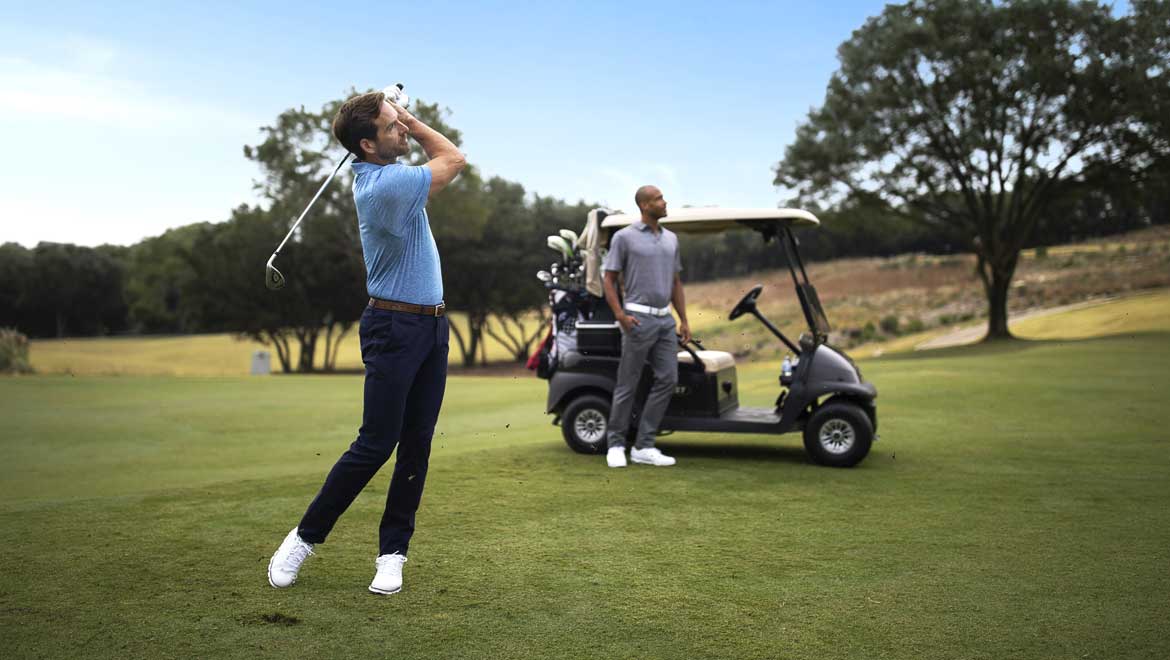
770, 223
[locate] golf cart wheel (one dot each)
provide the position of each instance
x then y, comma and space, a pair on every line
585, 423
838, 434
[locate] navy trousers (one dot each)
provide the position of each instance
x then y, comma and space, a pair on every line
406, 374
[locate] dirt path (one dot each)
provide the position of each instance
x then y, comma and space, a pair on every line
974, 333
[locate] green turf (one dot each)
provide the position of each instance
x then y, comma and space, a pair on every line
1016, 506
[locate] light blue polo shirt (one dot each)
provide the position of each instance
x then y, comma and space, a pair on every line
402, 260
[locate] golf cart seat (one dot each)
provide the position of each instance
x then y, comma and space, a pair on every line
713, 361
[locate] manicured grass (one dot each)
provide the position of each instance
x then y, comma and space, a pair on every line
1016, 506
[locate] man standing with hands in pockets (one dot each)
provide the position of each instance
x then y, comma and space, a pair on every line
403, 333
647, 257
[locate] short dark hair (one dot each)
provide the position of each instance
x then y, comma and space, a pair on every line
355, 121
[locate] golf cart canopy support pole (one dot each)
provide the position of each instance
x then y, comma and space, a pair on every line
756, 313
793, 256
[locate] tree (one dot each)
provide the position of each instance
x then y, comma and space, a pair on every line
16, 270
977, 116
157, 273
514, 231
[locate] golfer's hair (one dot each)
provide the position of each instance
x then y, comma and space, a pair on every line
355, 121
642, 195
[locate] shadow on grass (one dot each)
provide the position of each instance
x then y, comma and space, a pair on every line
754, 452
999, 347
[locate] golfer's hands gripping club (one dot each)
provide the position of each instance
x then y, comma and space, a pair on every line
396, 96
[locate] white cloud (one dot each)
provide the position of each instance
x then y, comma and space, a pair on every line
80, 104
30, 91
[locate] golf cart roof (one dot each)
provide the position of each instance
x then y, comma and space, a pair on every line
714, 219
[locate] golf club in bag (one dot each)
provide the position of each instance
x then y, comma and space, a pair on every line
273, 278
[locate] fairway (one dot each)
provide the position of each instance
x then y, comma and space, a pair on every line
1016, 506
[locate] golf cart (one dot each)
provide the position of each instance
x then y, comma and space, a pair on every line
821, 393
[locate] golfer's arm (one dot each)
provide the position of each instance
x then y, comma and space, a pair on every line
446, 161
678, 299
611, 293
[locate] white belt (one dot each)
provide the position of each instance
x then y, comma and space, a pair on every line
647, 309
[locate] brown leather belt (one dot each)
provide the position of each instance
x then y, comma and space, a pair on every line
421, 310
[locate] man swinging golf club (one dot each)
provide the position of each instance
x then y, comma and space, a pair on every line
647, 257
403, 334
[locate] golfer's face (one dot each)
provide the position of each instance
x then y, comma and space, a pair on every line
392, 134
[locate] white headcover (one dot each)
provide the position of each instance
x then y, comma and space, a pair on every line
590, 244
561, 245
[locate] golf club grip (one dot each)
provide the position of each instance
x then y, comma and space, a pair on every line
312, 202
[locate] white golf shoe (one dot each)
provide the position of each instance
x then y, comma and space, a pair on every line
388, 579
650, 456
616, 457
286, 563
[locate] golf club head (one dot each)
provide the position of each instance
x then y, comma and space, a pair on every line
272, 277
569, 235
395, 95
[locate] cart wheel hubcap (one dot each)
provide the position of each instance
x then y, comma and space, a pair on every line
837, 436
590, 426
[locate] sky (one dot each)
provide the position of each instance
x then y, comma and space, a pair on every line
120, 120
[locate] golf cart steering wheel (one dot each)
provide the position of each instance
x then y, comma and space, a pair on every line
746, 304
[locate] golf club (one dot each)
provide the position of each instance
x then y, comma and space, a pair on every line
273, 278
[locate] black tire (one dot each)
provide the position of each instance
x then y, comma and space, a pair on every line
585, 424
838, 434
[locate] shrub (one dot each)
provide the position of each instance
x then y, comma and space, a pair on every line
869, 332
13, 352
914, 325
889, 324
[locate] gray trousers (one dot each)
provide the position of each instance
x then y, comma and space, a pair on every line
653, 340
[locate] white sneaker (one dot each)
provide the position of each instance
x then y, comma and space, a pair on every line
650, 456
616, 457
388, 579
286, 563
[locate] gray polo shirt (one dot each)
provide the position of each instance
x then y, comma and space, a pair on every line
647, 261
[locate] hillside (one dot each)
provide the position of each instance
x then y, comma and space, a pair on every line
875, 301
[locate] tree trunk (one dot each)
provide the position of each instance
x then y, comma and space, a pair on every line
515, 341
459, 338
276, 338
475, 341
308, 340
328, 345
331, 357
997, 283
